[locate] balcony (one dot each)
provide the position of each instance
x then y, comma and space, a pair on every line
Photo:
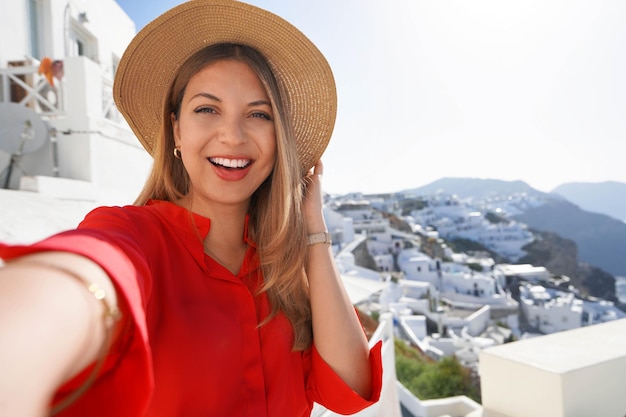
21, 83
86, 135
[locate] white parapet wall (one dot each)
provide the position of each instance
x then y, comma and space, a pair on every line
63, 188
389, 403
576, 373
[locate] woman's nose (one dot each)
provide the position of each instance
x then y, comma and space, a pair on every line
232, 133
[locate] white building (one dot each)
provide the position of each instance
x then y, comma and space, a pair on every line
526, 272
453, 218
550, 311
85, 149
457, 283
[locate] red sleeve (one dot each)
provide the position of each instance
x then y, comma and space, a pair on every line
329, 390
126, 381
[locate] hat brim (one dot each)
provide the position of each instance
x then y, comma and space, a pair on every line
152, 59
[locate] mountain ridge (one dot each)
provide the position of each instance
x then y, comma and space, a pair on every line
600, 238
475, 187
608, 197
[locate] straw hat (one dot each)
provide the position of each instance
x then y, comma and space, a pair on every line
152, 59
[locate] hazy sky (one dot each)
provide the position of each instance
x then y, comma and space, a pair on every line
529, 90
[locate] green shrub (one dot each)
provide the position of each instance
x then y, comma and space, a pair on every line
428, 379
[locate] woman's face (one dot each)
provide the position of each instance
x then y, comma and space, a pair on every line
225, 131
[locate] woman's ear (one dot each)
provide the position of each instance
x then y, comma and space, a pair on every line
175, 128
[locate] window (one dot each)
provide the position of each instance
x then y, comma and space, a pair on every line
80, 48
82, 42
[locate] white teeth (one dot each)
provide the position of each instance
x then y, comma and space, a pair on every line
230, 163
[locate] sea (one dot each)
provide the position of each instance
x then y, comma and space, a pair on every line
620, 289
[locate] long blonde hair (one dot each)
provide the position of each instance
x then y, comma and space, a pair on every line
276, 224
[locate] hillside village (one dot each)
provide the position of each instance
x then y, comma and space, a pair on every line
454, 276
449, 302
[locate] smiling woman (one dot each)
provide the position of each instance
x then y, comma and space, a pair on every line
215, 285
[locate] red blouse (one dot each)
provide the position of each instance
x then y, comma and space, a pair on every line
192, 345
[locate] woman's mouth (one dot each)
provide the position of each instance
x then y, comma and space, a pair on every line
230, 163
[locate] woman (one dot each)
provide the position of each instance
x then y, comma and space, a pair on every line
216, 293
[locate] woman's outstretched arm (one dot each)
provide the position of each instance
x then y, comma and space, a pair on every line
51, 327
337, 332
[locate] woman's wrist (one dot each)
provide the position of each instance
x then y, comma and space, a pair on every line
316, 226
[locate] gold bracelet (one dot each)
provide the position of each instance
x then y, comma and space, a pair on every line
111, 315
323, 237
111, 312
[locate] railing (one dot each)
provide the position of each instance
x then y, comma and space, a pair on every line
25, 86
109, 109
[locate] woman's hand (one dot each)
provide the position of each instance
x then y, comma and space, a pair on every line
338, 335
313, 201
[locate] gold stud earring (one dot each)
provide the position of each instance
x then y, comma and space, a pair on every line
177, 153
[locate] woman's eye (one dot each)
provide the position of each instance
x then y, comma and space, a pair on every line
262, 115
204, 110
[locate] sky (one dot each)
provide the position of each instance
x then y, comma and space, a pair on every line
529, 90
